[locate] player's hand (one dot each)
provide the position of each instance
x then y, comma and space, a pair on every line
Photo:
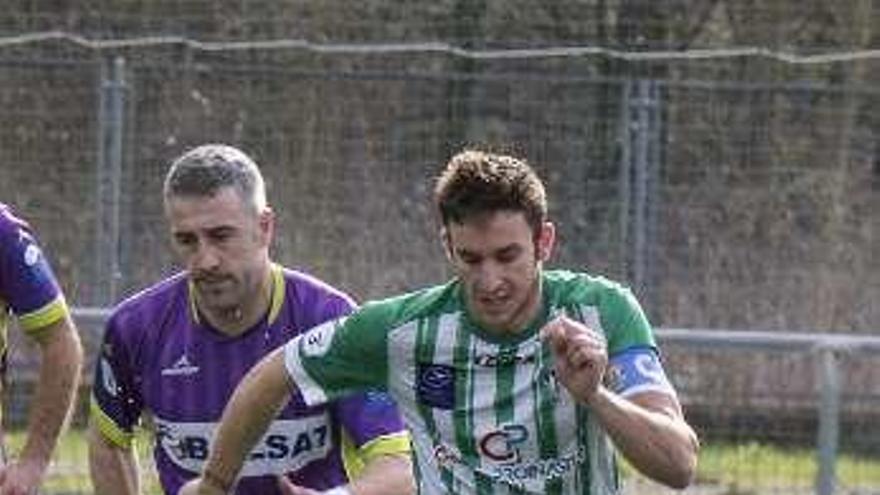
580, 356
196, 487
21, 477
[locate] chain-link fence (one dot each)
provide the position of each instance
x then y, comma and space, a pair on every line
734, 204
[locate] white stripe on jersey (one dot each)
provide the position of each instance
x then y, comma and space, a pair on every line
566, 427
482, 406
525, 409
600, 449
449, 329
312, 393
591, 318
402, 369
403, 382
601, 460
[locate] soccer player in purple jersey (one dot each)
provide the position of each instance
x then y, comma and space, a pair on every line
175, 352
28, 290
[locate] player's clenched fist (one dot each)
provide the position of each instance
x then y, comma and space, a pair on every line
580, 356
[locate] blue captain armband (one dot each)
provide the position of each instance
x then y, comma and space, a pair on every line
636, 370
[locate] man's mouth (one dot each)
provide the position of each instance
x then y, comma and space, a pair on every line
493, 302
212, 283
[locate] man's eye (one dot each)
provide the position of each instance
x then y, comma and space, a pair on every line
184, 240
221, 236
507, 258
508, 255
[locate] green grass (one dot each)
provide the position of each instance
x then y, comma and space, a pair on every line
755, 468
741, 468
69, 471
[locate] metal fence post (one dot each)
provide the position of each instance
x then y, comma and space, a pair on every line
111, 119
639, 169
829, 421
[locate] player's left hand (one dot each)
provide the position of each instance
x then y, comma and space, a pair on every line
21, 477
580, 356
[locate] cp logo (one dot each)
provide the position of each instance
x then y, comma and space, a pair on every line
501, 445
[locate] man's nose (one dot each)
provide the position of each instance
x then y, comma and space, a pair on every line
491, 276
205, 258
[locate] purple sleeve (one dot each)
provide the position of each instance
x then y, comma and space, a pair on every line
27, 283
369, 415
364, 416
317, 301
114, 391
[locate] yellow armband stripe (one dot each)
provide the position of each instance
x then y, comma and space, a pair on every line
395, 443
45, 316
355, 459
109, 428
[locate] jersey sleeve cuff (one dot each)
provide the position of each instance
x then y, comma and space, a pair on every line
390, 444
43, 317
311, 392
108, 428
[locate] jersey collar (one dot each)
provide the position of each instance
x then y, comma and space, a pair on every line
275, 305
528, 332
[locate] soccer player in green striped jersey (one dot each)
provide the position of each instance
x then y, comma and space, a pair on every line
513, 379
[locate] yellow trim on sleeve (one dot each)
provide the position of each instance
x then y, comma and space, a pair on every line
395, 443
45, 316
108, 427
355, 459
4, 327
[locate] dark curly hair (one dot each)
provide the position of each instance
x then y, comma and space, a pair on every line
477, 183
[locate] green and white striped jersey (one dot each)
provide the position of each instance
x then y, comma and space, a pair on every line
485, 411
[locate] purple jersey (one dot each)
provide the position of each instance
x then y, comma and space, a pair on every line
161, 360
27, 286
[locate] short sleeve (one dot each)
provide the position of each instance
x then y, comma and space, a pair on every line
27, 283
116, 403
624, 321
373, 423
340, 357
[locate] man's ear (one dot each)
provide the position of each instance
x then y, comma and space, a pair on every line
266, 220
546, 241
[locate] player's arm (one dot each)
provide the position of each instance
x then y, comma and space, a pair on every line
650, 431
647, 427
61, 358
115, 410
114, 469
257, 400
333, 351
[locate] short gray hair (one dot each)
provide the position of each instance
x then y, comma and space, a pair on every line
205, 170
